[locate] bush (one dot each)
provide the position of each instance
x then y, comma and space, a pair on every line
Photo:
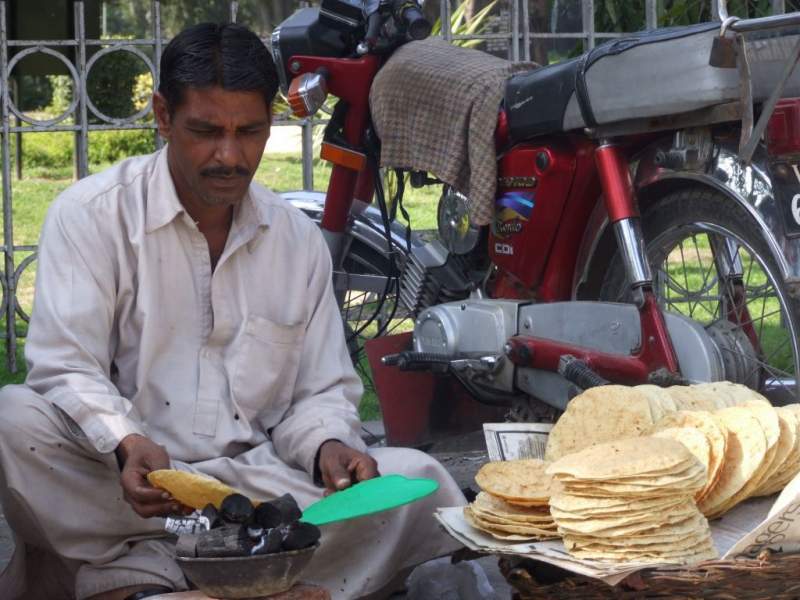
111, 83
61, 94
112, 146
49, 150
35, 92
55, 150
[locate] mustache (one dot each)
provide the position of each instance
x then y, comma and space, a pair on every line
226, 172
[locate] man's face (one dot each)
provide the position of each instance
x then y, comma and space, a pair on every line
216, 140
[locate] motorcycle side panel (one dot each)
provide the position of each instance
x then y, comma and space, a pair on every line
533, 184
614, 327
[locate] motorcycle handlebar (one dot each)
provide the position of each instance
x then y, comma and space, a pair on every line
758, 24
415, 23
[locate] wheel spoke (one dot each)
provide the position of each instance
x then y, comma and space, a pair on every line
710, 274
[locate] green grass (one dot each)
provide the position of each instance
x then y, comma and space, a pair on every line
695, 292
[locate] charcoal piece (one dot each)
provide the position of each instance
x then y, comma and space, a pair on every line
300, 535
211, 513
254, 532
267, 515
236, 508
269, 543
228, 540
287, 505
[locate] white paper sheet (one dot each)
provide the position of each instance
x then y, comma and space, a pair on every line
509, 441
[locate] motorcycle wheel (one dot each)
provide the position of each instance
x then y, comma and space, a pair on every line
709, 260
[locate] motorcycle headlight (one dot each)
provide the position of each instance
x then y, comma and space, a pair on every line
455, 230
304, 34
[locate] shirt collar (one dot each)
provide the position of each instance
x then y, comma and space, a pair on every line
163, 204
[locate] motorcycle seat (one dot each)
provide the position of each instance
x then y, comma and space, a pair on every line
644, 75
535, 102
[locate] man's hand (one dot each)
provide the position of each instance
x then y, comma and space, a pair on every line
341, 466
138, 456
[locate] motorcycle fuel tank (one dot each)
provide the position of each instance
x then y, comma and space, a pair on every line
533, 183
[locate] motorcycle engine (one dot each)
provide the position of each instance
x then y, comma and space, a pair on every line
475, 331
448, 267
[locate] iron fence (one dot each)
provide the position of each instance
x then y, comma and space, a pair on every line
514, 29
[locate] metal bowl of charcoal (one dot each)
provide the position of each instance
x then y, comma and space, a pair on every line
247, 552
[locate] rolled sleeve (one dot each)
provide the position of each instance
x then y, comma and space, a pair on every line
328, 390
71, 335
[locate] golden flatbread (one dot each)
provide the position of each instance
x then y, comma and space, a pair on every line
601, 414
768, 421
783, 453
746, 449
688, 398
499, 529
497, 506
715, 433
624, 458
791, 466
695, 441
518, 480
191, 489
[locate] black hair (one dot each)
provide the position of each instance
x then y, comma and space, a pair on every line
228, 55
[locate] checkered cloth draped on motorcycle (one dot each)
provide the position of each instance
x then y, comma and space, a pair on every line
435, 108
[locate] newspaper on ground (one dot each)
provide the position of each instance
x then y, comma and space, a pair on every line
509, 441
742, 533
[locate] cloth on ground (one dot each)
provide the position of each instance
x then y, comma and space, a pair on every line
435, 108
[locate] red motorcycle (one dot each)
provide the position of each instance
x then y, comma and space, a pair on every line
647, 214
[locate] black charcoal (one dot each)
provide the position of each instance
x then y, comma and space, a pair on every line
236, 508
267, 515
211, 513
290, 512
300, 535
269, 543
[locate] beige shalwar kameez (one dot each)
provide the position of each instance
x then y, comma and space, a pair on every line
241, 373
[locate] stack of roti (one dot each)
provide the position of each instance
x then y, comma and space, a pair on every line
513, 503
632, 500
749, 447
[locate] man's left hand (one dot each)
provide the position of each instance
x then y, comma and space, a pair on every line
341, 466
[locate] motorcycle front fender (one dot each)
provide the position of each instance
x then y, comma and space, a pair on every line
767, 189
365, 225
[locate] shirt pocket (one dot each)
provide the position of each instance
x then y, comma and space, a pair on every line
265, 368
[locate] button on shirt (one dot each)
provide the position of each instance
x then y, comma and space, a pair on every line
132, 331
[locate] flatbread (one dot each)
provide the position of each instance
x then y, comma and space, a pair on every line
784, 448
497, 506
624, 458
695, 441
522, 480
768, 420
501, 531
745, 451
600, 414
191, 489
583, 505
659, 400
715, 433
688, 398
